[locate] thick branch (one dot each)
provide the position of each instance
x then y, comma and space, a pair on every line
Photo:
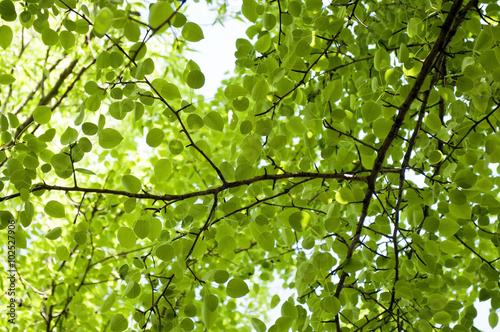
212, 191
448, 29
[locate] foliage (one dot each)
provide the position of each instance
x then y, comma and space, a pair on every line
352, 158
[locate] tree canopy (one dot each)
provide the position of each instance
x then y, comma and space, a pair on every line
351, 158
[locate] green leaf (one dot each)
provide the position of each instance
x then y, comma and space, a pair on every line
214, 120
266, 241
192, 32
299, 221
195, 79
195, 122
190, 310
132, 290
221, 276
331, 304
465, 178
118, 323
7, 79
187, 324
103, 21
275, 300
55, 209
155, 137
115, 59
211, 302
50, 37
435, 156
448, 227
69, 136
6, 36
483, 42
142, 228
84, 171
371, 111
241, 104
251, 148
442, 317
236, 288
382, 59
493, 319
80, 238
132, 31
263, 43
8, 11
415, 27
42, 114
155, 229
234, 91
209, 310
67, 39
159, 13
109, 138
433, 121
131, 183
108, 303
89, 128
5, 218
162, 169
258, 325
226, 245
167, 90
461, 210
344, 196
54, 233
175, 146
62, 253
165, 252
92, 88
126, 237
449, 247
260, 90
464, 84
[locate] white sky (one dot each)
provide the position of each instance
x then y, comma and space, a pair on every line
215, 53
215, 56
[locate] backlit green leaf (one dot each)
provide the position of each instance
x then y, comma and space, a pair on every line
6, 36
126, 237
214, 120
7, 79
258, 325
103, 21
54, 233
155, 137
50, 37
131, 183
118, 323
195, 79
55, 209
236, 287
8, 10
251, 148
142, 228
192, 32
42, 114
108, 303
299, 221
109, 138
165, 252
162, 169
266, 241
159, 13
